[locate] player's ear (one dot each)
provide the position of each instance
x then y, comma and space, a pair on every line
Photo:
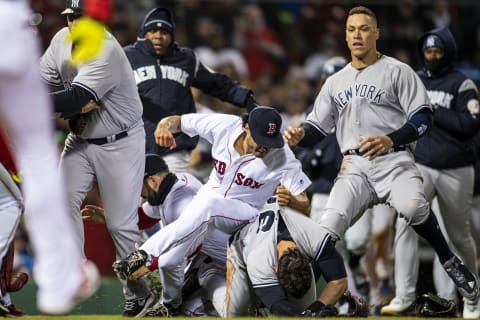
377, 36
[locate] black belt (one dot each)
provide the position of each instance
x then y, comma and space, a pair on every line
357, 152
108, 139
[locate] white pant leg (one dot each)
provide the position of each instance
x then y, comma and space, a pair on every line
26, 114
11, 209
405, 247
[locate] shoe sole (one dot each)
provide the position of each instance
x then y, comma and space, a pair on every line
151, 301
474, 295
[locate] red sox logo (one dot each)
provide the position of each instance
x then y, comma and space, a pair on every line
272, 128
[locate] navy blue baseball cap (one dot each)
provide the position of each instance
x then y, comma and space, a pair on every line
265, 124
154, 164
73, 7
433, 41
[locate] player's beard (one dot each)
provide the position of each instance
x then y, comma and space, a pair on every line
153, 197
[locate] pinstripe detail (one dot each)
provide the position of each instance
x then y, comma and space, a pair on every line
92, 92
325, 240
317, 127
265, 285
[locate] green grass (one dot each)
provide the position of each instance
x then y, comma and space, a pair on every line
117, 317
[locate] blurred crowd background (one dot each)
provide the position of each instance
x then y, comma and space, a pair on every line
277, 47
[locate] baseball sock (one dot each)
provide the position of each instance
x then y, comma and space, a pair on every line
430, 231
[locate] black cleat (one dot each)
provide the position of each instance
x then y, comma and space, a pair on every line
462, 277
138, 307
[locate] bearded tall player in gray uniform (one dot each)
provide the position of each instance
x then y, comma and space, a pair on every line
379, 108
106, 146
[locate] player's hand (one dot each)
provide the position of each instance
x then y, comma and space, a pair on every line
93, 213
163, 136
375, 146
284, 196
91, 105
137, 274
87, 36
293, 136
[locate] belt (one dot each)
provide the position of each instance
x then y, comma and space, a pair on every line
356, 152
109, 139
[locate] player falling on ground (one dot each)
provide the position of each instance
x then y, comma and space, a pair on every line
379, 108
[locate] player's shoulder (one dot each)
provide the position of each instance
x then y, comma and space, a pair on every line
61, 37
393, 63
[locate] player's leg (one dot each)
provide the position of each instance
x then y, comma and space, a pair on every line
407, 197
26, 113
119, 169
350, 196
238, 294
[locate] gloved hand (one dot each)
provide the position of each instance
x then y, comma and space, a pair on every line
250, 102
320, 310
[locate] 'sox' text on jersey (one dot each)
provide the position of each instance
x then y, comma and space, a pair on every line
242, 180
167, 72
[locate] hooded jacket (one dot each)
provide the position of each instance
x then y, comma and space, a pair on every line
454, 97
164, 83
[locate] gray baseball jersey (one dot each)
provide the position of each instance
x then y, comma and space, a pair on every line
117, 165
253, 253
375, 100
372, 101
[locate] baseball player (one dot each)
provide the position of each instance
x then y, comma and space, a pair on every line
251, 160
270, 260
25, 115
164, 73
106, 145
445, 157
379, 108
175, 192
11, 208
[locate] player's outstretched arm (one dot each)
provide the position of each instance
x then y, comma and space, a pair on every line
165, 130
293, 136
299, 203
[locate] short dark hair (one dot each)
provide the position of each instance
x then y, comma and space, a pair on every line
294, 273
363, 10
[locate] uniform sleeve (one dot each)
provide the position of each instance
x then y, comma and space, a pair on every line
293, 178
463, 119
99, 75
48, 68
208, 126
220, 86
276, 301
410, 90
321, 117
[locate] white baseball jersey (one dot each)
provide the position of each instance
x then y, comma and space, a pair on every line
234, 193
105, 77
375, 100
247, 178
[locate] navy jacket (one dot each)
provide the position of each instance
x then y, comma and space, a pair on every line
164, 86
449, 144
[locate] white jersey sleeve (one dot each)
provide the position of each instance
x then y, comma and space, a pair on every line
208, 126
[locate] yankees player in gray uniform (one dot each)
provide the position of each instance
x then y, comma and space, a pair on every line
105, 146
445, 158
251, 160
379, 108
260, 264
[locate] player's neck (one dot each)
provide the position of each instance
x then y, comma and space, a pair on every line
239, 144
369, 59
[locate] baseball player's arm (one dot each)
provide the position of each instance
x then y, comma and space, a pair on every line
331, 265
274, 298
415, 127
74, 100
299, 203
307, 135
223, 87
165, 130
463, 119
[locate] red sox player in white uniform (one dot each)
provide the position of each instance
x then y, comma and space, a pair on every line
251, 160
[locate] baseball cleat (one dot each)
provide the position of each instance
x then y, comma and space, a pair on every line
138, 307
471, 309
464, 280
399, 307
124, 268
